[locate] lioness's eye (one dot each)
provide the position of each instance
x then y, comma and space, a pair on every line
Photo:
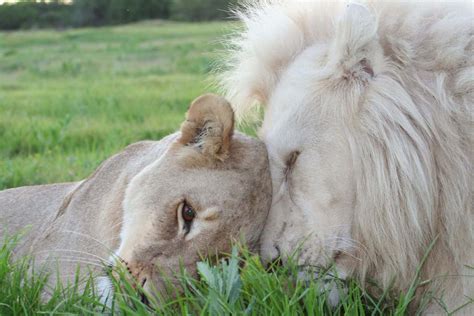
188, 213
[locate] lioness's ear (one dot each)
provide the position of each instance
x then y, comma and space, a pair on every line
209, 126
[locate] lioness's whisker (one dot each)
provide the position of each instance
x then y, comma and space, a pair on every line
116, 224
71, 260
111, 228
74, 251
85, 259
112, 239
88, 236
112, 252
61, 258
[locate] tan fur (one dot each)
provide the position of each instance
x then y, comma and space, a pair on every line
209, 124
130, 207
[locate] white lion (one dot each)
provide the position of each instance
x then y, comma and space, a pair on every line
368, 125
152, 207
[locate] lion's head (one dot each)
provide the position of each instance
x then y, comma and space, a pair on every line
209, 187
366, 126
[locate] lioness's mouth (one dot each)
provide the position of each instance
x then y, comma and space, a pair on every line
144, 298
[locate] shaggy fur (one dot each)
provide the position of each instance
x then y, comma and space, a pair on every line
131, 208
381, 95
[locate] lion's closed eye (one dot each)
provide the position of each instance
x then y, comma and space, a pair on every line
290, 162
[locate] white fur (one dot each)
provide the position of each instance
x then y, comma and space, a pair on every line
105, 290
377, 98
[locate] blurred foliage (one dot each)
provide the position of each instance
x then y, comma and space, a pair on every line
57, 14
103, 12
30, 14
201, 10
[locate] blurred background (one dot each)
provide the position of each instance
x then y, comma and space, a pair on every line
80, 80
78, 13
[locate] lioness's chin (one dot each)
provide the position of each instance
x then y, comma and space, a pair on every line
104, 290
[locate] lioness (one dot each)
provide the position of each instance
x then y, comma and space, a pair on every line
155, 205
368, 126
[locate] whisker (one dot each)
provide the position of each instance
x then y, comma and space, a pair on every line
113, 226
116, 224
338, 226
92, 263
112, 239
112, 252
74, 251
354, 243
349, 254
87, 236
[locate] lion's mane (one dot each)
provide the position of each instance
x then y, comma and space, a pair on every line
412, 147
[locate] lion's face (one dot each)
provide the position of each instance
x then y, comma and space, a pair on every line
309, 117
210, 187
311, 167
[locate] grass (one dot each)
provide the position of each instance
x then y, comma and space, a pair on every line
70, 99
239, 285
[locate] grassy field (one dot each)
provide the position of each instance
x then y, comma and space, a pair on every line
70, 99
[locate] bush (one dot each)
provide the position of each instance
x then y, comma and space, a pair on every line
106, 12
203, 10
57, 14
31, 14
128, 11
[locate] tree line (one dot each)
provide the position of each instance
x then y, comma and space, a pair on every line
79, 13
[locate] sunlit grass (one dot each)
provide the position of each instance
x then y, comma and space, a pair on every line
70, 99
238, 285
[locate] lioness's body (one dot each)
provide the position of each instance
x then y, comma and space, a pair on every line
40, 204
68, 222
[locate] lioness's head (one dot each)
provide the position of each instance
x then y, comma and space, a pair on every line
211, 186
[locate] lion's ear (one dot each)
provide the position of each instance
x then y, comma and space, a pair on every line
209, 126
355, 46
